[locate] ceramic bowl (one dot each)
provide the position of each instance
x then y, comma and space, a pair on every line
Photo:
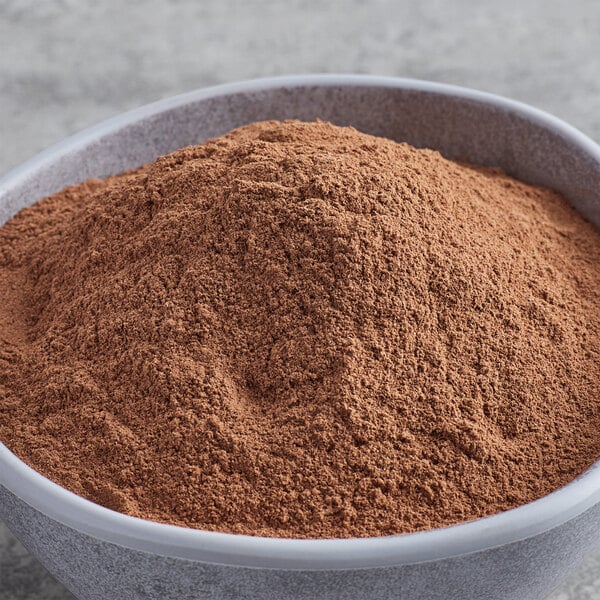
518, 554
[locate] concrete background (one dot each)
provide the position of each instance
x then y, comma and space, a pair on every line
66, 64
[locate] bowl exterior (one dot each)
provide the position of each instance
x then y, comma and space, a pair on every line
460, 127
96, 570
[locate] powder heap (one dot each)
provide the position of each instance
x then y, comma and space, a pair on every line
299, 330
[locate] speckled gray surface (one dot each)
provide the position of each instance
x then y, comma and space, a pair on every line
67, 64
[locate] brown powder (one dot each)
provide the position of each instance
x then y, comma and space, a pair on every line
301, 330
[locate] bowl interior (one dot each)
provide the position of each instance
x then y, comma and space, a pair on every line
462, 124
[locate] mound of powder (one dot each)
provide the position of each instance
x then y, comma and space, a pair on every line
299, 330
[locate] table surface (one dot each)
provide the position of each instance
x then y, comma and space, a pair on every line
66, 64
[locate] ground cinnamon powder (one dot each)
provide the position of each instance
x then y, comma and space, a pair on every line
301, 330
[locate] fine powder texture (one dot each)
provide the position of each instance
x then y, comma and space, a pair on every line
300, 330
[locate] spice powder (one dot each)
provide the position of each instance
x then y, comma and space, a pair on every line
300, 330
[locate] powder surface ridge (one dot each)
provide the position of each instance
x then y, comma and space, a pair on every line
300, 330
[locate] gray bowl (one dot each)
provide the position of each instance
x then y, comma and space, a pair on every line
521, 554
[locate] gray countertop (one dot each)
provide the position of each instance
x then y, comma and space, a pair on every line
66, 64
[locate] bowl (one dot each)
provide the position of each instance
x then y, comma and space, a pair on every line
518, 554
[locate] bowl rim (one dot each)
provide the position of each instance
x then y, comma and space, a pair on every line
107, 525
